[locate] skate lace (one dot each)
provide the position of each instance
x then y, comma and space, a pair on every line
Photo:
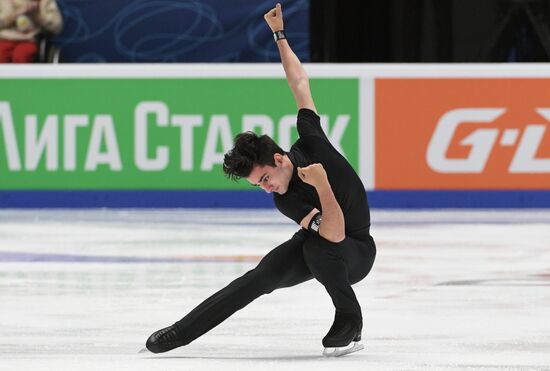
170, 334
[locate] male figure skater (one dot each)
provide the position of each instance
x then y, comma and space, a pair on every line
317, 188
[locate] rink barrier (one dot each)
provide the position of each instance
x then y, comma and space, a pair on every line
258, 199
155, 138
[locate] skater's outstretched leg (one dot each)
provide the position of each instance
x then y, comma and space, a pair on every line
284, 266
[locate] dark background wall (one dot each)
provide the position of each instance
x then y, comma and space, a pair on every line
430, 31
319, 30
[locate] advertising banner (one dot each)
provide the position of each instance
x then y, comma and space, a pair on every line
139, 135
462, 133
145, 133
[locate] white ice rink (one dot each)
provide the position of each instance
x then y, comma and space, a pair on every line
450, 290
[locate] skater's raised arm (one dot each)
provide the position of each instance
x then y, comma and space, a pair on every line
295, 73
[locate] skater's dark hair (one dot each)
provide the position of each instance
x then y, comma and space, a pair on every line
249, 150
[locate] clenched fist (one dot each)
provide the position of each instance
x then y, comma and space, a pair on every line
314, 175
274, 18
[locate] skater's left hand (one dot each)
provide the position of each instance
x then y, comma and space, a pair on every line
314, 175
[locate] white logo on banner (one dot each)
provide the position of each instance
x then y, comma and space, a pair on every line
483, 140
60, 139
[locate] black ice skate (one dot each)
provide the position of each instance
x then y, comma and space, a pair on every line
164, 340
343, 337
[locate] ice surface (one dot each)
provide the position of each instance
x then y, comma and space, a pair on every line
450, 290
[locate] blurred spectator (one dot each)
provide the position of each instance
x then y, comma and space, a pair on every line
20, 22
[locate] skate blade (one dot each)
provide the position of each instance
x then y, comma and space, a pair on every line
342, 351
144, 350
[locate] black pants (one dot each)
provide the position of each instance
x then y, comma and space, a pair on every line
299, 259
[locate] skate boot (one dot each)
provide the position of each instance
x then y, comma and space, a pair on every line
343, 337
165, 339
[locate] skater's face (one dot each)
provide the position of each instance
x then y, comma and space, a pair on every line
272, 178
